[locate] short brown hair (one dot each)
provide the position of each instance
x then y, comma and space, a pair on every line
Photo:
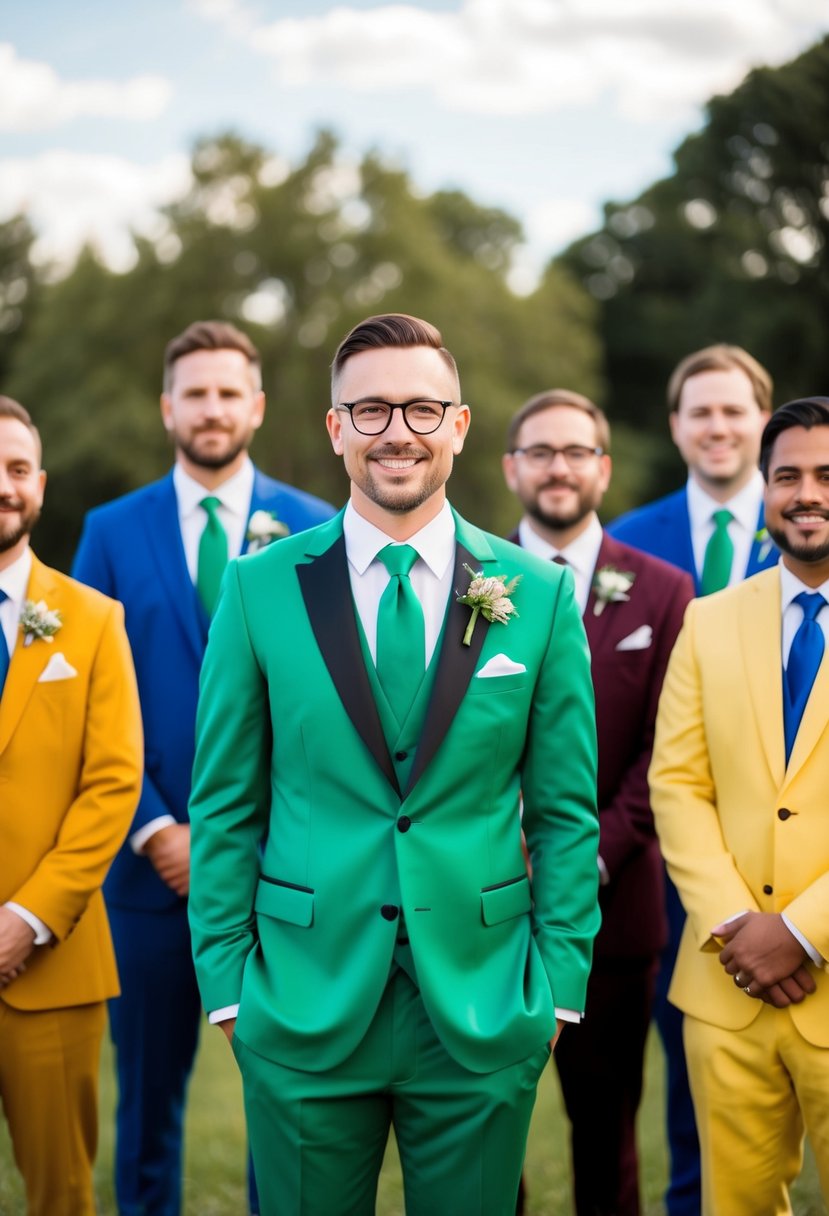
210, 335
549, 400
9, 408
721, 358
392, 329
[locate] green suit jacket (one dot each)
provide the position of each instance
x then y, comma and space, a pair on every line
304, 847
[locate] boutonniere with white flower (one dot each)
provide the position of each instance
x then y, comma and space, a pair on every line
490, 597
38, 621
762, 538
264, 527
611, 587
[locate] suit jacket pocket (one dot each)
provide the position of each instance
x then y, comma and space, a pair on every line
506, 900
284, 901
488, 685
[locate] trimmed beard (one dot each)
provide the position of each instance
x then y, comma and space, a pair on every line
220, 460
27, 522
801, 552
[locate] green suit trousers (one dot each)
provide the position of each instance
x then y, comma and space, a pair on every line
318, 1139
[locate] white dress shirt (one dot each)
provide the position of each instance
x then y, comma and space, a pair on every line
14, 580
581, 554
791, 586
742, 529
431, 575
234, 497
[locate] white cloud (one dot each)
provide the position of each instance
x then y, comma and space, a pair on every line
33, 96
533, 56
72, 198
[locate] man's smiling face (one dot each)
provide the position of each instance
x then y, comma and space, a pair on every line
398, 475
797, 501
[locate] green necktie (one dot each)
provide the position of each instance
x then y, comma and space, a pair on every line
401, 644
212, 556
719, 554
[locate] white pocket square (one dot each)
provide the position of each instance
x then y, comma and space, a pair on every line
640, 639
500, 665
57, 669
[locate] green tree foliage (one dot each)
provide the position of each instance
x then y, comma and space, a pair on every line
295, 257
733, 247
18, 287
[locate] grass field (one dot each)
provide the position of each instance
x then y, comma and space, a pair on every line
214, 1170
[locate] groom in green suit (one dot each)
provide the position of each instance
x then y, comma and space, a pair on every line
379, 696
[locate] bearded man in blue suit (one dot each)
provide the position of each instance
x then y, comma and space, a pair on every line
719, 400
161, 551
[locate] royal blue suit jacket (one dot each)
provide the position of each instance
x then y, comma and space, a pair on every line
131, 549
663, 529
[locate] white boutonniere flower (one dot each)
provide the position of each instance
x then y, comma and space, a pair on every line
38, 621
611, 587
264, 527
762, 538
490, 597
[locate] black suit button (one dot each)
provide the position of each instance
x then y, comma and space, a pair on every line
768, 890
389, 911
400, 755
404, 823
783, 813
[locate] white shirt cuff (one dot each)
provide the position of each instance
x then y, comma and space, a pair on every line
604, 877
813, 954
43, 933
568, 1015
140, 838
223, 1015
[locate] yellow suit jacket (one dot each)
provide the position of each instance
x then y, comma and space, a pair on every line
739, 829
70, 776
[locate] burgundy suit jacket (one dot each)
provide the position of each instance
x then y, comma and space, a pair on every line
627, 684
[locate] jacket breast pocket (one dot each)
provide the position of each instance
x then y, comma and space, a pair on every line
506, 900
285, 901
489, 685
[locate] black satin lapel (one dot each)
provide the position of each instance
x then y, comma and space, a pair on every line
456, 663
327, 593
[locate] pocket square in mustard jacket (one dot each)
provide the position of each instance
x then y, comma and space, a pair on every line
57, 669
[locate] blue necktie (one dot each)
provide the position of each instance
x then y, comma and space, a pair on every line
4, 650
804, 660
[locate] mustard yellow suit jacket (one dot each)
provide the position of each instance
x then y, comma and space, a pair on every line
739, 829
70, 776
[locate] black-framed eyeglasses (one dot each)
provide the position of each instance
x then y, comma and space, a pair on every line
541, 455
371, 416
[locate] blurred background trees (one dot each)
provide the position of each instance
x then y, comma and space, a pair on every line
731, 247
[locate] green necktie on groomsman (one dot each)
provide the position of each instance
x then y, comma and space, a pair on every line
212, 555
719, 555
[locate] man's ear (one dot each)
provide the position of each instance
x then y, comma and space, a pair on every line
334, 426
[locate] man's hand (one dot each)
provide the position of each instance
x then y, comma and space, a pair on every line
559, 1027
790, 991
760, 953
169, 851
17, 941
228, 1027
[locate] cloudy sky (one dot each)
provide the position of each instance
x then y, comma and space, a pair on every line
544, 107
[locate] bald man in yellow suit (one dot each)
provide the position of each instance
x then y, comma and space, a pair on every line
70, 774
740, 794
